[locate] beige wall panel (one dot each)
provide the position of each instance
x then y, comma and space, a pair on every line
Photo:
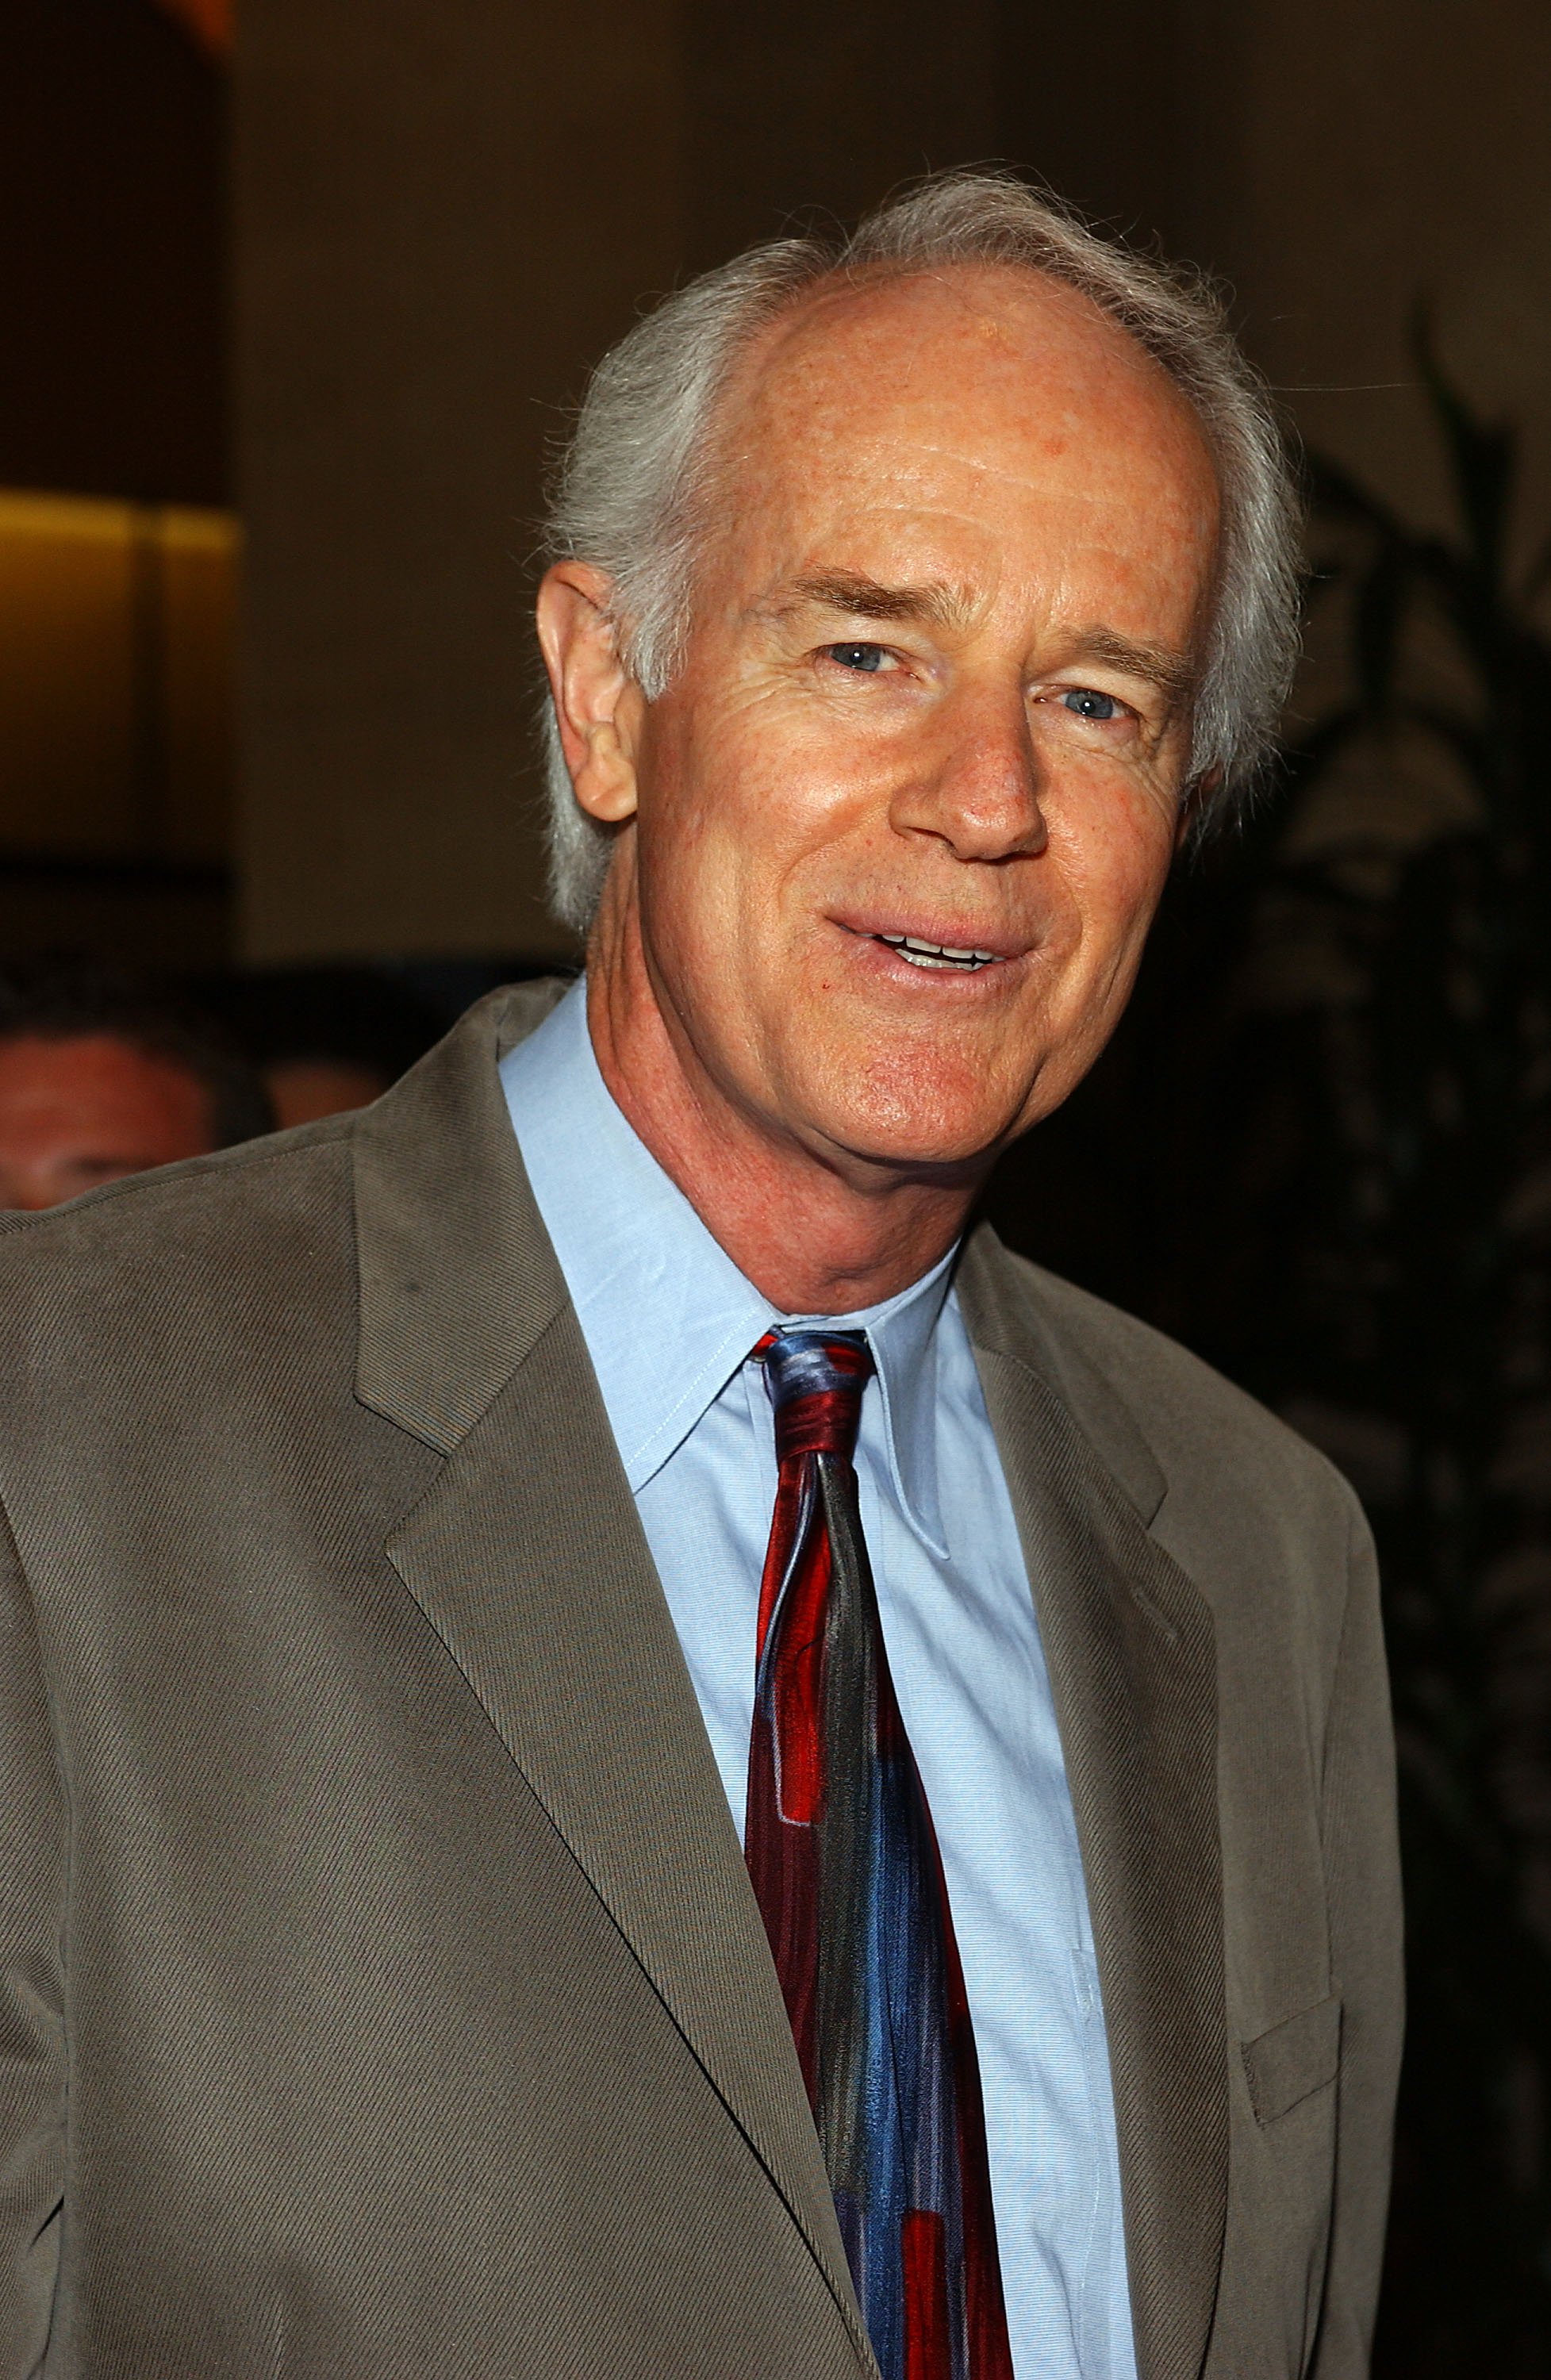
443, 213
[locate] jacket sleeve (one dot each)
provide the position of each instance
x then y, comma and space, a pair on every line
32, 1984
1363, 1872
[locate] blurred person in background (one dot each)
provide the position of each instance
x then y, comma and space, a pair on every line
98, 1078
326, 1040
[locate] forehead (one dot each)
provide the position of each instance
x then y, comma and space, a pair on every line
981, 390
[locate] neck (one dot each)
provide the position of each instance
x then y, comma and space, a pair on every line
817, 1230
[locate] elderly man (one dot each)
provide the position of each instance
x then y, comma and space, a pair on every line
627, 1756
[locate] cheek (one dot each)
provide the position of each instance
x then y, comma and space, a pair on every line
1115, 846
708, 848
729, 813
680, 815
1113, 864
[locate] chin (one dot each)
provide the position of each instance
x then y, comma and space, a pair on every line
943, 1120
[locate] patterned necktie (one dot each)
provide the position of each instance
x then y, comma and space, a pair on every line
845, 1865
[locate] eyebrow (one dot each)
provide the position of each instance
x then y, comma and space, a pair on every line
1173, 673
939, 606
936, 603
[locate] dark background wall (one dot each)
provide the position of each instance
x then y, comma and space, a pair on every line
112, 254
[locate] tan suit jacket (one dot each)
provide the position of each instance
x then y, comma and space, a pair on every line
383, 1996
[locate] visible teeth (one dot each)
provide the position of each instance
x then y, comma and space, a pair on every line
923, 954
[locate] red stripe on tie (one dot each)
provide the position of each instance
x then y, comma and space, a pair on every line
822, 1424
799, 1687
924, 2250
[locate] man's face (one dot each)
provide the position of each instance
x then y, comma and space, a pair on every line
935, 696
77, 1112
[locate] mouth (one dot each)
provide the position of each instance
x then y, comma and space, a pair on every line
943, 957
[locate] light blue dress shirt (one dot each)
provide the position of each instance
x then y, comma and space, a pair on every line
670, 1323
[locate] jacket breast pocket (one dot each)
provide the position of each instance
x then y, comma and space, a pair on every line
1294, 2059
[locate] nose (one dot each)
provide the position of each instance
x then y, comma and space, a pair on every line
977, 788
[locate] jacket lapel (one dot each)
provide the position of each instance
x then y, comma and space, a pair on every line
1128, 1640
529, 1560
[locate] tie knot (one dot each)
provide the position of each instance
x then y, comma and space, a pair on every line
816, 1379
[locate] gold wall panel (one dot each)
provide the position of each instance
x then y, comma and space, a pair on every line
117, 625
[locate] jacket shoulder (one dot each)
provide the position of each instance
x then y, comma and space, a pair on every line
237, 1227
1122, 1377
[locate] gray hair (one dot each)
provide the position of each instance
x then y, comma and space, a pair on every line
630, 493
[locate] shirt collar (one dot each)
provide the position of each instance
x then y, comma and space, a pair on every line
667, 1315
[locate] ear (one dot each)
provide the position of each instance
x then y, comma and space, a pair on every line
598, 705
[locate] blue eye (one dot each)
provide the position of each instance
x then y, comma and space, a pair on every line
867, 658
1085, 703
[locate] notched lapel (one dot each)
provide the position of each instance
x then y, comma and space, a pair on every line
1130, 1644
529, 1560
